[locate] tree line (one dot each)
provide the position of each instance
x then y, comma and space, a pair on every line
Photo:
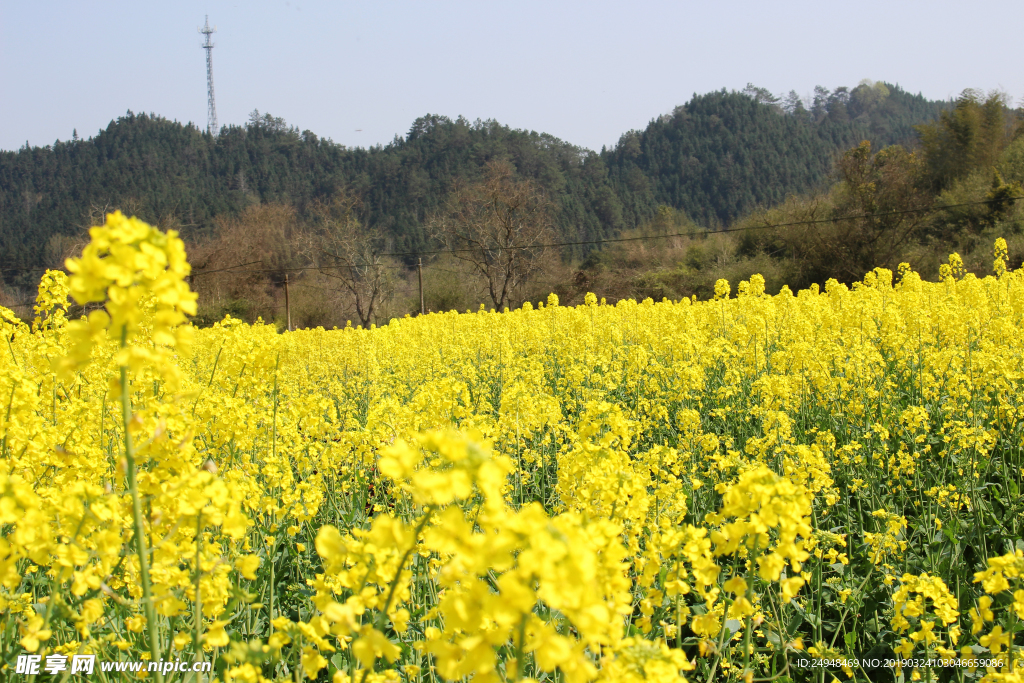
953, 187
272, 214
715, 158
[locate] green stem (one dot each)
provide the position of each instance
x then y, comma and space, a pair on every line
382, 618
849, 603
748, 624
520, 652
140, 535
721, 640
405, 558
197, 604
16, 364
273, 443
273, 555
7, 421
213, 372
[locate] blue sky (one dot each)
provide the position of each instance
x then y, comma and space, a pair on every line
360, 73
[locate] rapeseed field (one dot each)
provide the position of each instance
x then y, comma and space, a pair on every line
807, 486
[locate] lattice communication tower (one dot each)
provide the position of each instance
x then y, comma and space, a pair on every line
211, 113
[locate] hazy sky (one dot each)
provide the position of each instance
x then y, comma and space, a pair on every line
361, 72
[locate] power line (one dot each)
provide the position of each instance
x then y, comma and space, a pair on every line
611, 240
298, 269
221, 270
693, 233
453, 272
235, 269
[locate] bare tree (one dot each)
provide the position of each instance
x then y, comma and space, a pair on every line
501, 225
349, 254
870, 218
96, 214
244, 267
60, 247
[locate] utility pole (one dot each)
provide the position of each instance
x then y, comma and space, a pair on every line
287, 303
211, 107
419, 270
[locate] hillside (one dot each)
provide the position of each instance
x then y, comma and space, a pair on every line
714, 158
178, 176
722, 154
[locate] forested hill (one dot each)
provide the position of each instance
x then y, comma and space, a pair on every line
715, 158
724, 153
175, 174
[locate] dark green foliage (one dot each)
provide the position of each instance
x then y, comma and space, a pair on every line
726, 153
969, 136
716, 158
178, 176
